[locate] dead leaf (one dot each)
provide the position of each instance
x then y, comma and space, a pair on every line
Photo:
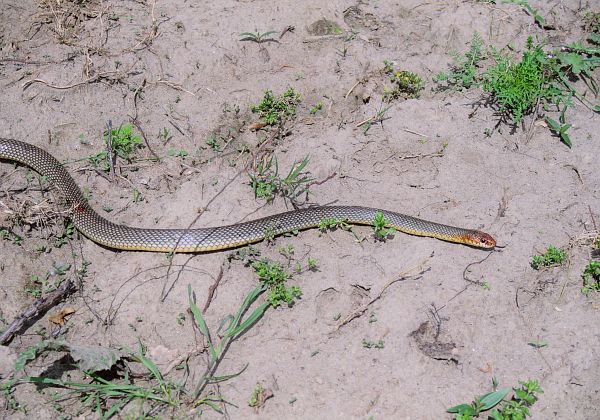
58, 318
257, 126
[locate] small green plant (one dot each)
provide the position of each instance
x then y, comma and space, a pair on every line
591, 22
275, 110
8, 235
255, 397
405, 84
381, 227
123, 143
377, 118
67, 234
213, 142
331, 223
591, 278
316, 108
463, 70
177, 153
559, 129
533, 12
518, 87
273, 278
266, 182
257, 36
380, 344
165, 134
552, 257
516, 408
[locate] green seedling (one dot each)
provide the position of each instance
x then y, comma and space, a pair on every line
266, 182
380, 344
316, 108
8, 235
518, 87
591, 278
405, 84
255, 398
516, 408
560, 130
533, 12
123, 143
591, 21
552, 257
177, 153
381, 227
258, 37
377, 118
538, 344
275, 110
165, 134
213, 142
463, 70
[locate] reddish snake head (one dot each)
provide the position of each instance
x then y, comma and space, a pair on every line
480, 239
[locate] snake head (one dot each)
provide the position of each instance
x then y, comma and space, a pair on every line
481, 239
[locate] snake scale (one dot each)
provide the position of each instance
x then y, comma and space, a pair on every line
112, 235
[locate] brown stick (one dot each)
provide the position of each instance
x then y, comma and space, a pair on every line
35, 311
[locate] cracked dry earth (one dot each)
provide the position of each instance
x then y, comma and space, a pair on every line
67, 68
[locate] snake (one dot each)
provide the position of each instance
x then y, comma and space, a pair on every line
117, 236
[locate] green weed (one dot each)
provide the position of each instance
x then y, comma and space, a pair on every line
275, 110
377, 118
463, 70
405, 84
552, 257
123, 143
316, 108
591, 22
177, 153
266, 182
381, 227
258, 389
380, 344
591, 278
517, 408
165, 134
273, 278
9, 235
258, 37
518, 87
533, 12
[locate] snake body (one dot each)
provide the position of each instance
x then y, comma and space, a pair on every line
116, 236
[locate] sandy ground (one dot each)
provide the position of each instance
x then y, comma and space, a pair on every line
181, 65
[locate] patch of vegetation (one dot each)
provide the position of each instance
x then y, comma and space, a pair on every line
591, 21
123, 143
8, 235
533, 12
405, 84
463, 70
381, 227
275, 110
266, 182
517, 408
538, 81
552, 257
331, 223
518, 87
273, 278
318, 106
377, 118
107, 396
591, 278
258, 37
380, 344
